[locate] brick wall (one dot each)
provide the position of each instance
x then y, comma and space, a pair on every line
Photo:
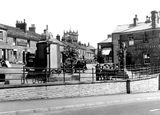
152, 46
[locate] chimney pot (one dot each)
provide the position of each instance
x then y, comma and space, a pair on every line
32, 28
135, 20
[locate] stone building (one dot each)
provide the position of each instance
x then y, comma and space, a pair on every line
141, 39
17, 41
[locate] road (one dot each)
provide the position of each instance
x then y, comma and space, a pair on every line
135, 108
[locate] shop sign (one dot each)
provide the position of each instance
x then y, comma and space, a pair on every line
21, 42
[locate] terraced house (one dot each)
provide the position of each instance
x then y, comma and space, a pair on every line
15, 42
142, 40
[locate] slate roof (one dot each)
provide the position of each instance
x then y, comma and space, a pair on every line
18, 33
125, 27
130, 28
90, 47
108, 40
59, 42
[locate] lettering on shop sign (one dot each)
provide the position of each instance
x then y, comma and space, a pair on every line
21, 42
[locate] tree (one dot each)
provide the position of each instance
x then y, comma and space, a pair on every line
99, 57
70, 54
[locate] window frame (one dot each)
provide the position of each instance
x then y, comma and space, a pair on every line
146, 56
2, 35
131, 40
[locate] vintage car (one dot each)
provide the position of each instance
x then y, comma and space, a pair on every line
75, 66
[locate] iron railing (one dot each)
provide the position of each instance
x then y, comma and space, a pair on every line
30, 75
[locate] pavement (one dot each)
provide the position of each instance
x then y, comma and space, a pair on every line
45, 105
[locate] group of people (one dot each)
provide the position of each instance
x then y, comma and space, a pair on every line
106, 71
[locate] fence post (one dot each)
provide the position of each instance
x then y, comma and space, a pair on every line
159, 82
23, 78
128, 86
63, 74
92, 74
79, 75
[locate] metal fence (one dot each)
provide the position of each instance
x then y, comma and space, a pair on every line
25, 75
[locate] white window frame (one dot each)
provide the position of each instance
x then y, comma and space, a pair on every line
146, 56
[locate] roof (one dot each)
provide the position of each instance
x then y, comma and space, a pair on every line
125, 27
90, 47
108, 40
17, 32
4, 45
57, 41
89, 51
69, 44
130, 28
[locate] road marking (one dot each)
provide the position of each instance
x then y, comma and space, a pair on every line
154, 110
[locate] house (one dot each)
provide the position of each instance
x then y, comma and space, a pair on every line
141, 39
17, 41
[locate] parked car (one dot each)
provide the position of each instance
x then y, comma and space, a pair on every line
80, 65
75, 66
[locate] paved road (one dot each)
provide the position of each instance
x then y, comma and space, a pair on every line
137, 108
39, 106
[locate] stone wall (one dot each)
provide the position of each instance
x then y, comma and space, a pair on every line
52, 91
62, 91
145, 85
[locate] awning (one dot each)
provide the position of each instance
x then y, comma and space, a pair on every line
4, 45
106, 51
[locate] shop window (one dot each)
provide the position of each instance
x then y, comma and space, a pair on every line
1, 35
146, 58
145, 39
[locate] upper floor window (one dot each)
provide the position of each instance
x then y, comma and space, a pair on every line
145, 39
1, 35
131, 40
14, 41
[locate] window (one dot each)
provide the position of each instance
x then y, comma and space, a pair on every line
14, 41
28, 43
131, 40
145, 37
1, 35
146, 58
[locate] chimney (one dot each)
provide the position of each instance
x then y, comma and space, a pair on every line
21, 25
88, 44
153, 18
135, 20
58, 37
32, 28
109, 35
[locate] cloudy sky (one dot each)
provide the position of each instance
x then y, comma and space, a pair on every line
94, 19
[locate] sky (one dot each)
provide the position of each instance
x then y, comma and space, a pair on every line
93, 19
